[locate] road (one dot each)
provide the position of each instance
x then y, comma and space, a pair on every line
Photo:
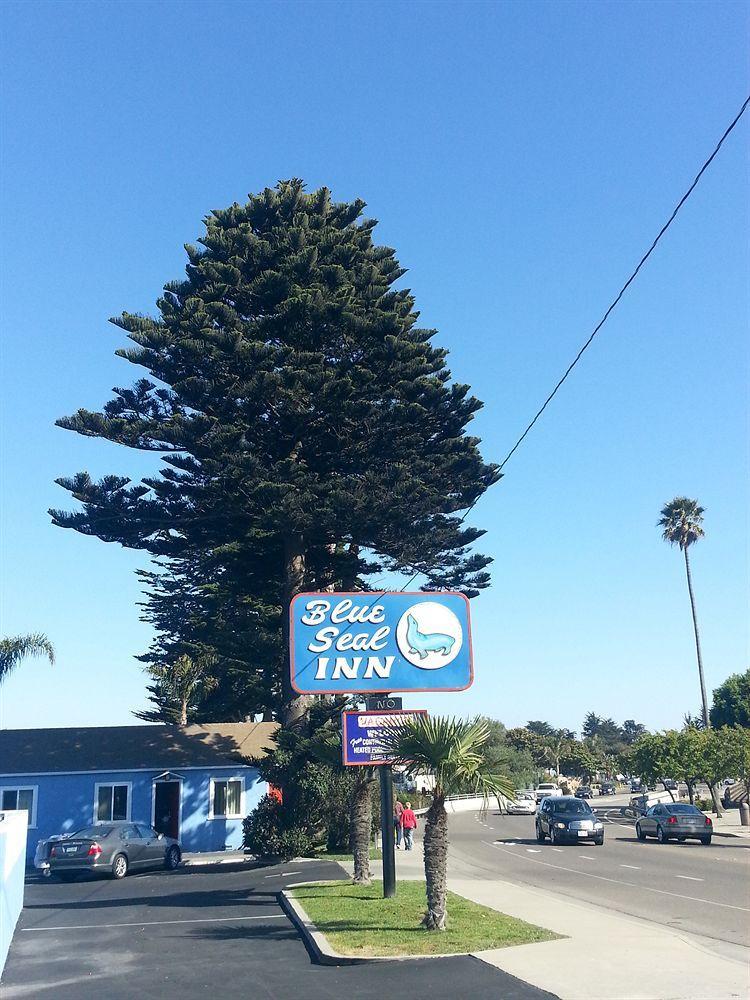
688, 887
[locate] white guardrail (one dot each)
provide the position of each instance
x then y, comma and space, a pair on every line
13, 828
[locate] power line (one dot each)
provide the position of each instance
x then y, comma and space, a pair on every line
627, 284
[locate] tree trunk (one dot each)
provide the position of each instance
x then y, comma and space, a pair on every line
704, 698
360, 827
183, 712
691, 791
436, 863
293, 706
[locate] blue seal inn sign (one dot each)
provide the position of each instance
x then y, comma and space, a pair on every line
369, 642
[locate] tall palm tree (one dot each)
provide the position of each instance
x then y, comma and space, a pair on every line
16, 648
452, 750
681, 522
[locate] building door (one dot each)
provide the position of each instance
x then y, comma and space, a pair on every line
167, 808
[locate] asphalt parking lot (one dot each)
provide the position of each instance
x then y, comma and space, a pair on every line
221, 929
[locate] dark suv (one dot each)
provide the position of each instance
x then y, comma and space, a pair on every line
568, 819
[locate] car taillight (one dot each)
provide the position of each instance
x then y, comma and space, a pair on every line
94, 851
672, 819
708, 821
53, 852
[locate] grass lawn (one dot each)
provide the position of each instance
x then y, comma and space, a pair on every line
358, 921
375, 854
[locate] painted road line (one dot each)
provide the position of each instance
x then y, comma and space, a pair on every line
298, 871
634, 867
692, 878
156, 923
586, 857
559, 850
633, 885
533, 850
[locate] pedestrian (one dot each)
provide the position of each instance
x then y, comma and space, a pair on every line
398, 811
409, 824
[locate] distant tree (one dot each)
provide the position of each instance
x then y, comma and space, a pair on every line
731, 702
691, 721
539, 728
590, 726
453, 751
17, 648
632, 731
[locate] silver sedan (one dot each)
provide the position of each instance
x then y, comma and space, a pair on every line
674, 821
113, 849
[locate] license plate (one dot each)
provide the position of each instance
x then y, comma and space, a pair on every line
583, 833
70, 850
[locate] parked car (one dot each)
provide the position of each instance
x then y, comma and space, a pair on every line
677, 820
568, 818
670, 784
636, 785
114, 849
608, 788
547, 788
584, 792
524, 804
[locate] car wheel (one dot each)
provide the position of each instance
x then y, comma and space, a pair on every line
640, 832
661, 835
539, 834
120, 866
706, 840
172, 858
599, 841
552, 836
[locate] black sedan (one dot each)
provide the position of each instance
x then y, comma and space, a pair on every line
584, 792
568, 819
113, 849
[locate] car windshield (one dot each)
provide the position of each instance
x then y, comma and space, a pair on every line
93, 832
572, 807
681, 808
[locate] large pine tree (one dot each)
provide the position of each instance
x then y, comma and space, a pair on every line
309, 429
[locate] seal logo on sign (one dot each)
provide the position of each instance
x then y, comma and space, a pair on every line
429, 635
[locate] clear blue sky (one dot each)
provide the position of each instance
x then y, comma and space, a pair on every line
520, 157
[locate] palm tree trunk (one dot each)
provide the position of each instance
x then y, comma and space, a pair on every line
704, 698
436, 863
360, 826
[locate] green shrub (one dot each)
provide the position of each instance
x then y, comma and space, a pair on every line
704, 804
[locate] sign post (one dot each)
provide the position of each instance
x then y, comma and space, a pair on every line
387, 831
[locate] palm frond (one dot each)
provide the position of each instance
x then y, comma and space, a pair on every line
15, 649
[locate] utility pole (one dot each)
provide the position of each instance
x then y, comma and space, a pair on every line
386, 828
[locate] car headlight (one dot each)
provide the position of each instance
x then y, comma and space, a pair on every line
560, 826
598, 826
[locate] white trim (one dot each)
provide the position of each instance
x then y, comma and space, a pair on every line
158, 780
120, 770
230, 777
34, 789
113, 784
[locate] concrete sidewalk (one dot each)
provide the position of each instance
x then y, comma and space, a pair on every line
605, 954
729, 825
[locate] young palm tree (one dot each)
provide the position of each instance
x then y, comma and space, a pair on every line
451, 750
681, 522
17, 648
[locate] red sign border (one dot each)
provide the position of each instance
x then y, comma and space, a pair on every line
372, 763
369, 593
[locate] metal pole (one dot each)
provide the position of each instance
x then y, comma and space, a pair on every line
386, 827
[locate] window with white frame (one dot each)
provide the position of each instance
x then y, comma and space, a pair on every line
111, 802
22, 797
226, 798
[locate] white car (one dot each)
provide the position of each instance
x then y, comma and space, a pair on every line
524, 804
547, 788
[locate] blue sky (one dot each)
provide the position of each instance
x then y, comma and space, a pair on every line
520, 158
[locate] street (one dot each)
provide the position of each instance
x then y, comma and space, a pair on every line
688, 887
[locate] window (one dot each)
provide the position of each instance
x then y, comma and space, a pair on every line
226, 799
111, 802
20, 798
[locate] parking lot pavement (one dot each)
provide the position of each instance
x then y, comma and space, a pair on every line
182, 934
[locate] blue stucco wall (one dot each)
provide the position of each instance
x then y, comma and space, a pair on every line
65, 802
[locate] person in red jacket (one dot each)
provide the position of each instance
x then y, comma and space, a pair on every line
409, 825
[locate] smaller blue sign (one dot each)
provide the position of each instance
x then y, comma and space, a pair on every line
362, 735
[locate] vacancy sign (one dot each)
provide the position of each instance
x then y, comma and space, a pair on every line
362, 735
366, 643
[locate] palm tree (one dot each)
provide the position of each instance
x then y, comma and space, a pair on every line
17, 648
452, 750
681, 522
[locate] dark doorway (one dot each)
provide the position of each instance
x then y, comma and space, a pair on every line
167, 808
